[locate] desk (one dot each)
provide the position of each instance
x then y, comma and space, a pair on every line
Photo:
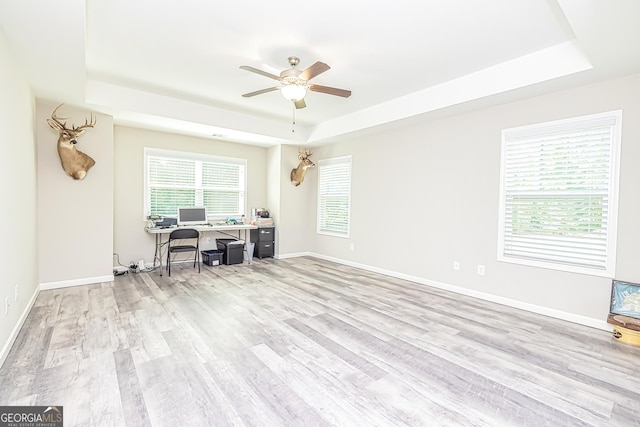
222, 229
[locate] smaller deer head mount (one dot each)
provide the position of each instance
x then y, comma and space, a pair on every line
297, 174
74, 162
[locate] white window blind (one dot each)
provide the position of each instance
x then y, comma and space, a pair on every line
175, 179
558, 198
334, 196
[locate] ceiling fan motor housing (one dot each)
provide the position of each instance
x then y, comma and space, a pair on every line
291, 76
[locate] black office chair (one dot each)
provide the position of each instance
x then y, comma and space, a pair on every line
182, 234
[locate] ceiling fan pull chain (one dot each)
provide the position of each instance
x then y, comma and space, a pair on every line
293, 124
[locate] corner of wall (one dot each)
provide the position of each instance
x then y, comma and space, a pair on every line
18, 189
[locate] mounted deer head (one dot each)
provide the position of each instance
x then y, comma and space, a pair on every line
297, 174
74, 162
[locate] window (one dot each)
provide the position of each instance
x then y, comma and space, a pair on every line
558, 196
334, 196
174, 179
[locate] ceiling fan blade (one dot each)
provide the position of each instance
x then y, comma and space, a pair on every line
331, 90
300, 103
314, 70
257, 71
260, 92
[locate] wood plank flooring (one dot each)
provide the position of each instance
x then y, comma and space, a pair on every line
306, 342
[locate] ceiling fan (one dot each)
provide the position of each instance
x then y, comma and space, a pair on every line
294, 82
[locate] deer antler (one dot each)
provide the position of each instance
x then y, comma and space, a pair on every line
79, 129
304, 154
59, 119
86, 124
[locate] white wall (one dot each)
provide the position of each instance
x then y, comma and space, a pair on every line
296, 206
426, 195
274, 160
75, 217
19, 260
131, 242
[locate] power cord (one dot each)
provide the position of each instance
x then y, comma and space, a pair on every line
131, 268
119, 272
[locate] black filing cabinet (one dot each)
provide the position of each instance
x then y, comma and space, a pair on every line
264, 239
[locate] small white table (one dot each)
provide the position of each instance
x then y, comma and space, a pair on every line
222, 229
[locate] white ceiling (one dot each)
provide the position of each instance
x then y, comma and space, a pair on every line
174, 66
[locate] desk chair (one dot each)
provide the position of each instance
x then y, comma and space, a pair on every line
181, 234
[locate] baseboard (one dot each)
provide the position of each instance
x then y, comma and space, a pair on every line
16, 330
293, 255
545, 311
76, 282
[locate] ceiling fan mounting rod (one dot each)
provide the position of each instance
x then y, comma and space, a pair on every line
293, 61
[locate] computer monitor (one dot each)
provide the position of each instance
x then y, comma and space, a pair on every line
192, 215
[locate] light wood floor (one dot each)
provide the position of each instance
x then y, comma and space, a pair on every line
305, 342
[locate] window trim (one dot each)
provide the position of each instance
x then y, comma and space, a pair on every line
188, 155
612, 192
321, 163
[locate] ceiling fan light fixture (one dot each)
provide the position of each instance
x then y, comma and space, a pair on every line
293, 92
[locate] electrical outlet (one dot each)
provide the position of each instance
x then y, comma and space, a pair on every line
480, 270
6, 305
208, 239
352, 246
15, 293
456, 265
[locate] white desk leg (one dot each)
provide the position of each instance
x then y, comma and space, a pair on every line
158, 251
246, 245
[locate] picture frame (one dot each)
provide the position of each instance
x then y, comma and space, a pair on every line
625, 299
